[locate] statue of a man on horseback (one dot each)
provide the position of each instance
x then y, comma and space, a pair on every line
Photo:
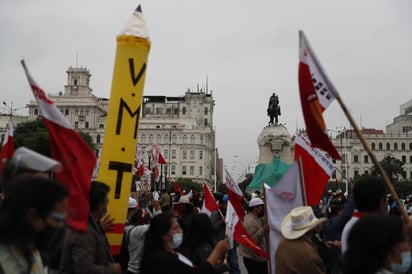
273, 109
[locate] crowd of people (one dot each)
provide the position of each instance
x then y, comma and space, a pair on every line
355, 233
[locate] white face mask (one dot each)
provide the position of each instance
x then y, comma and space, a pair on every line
404, 265
177, 240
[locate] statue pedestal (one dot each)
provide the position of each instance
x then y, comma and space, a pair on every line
272, 140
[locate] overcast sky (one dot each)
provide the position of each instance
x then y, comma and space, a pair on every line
247, 49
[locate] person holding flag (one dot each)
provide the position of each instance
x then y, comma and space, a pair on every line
7, 148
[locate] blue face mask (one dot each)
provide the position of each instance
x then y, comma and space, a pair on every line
404, 265
177, 240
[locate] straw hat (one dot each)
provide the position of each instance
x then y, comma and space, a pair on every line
255, 202
299, 221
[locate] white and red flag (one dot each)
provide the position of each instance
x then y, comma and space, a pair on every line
7, 148
317, 169
235, 195
157, 157
140, 166
209, 202
316, 93
69, 148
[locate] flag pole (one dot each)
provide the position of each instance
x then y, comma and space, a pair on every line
302, 181
374, 159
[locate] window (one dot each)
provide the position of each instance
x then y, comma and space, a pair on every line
98, 139
183, 170
184, 139
365, 159
173, 170
183, 110
66, 112
373, 146
75, 82
76, 124
101, 126
159, 110
174, 139
201, 139
143, 139
192, 154
206, 110
175, 111
403, 146
169, 111
356, 173
167, 140
184, 154
86, 124
82, 112
355, 158
76, 111
205, 122
192, 170
166, 152
366, 172
201, 154
36, 111
147, 110
381, 146
403, 159
150, 138
173, 154
159, 139
410, 159
192, 139
395, 146
410, 146
200, 171
87, 112
388, 146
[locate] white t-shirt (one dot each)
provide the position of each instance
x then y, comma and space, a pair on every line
345, 233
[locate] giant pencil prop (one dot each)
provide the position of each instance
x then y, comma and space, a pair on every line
120, 138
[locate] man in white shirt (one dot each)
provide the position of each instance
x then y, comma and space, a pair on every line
369, 195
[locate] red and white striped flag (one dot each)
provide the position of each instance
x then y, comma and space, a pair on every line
235, 195
209, 202
317, 169
316, 93
157, 157
69, 148
7, 148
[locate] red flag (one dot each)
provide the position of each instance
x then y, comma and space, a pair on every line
209, 202
177, 188
7, 148
69, 148
235, 195
317, 169
156, 174
316, 93
157, 155
237, 232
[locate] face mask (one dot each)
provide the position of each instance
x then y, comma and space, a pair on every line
404, 265
177, 240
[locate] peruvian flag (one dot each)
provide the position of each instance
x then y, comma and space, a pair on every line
209, 202
235, 195
7, 149
140, 166
157, 156
238, 233
177, 188
156, 174
317, 169
316, 93
69, 148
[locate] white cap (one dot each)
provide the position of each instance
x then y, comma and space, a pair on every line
27, 158
255, 202
132, 203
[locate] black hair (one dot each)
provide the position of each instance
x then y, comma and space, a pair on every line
368, 192
159, 226
98, 194
139, 217
27, 192
370, 240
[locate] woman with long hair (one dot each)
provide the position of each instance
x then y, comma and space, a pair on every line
159, 252
33, 204
377, 245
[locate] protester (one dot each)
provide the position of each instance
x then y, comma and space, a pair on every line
131, 208
198, 242
32, 205
297, 253
369, 194
164, 201
160, 256
27, 161
258, 231
89, 252
377, 245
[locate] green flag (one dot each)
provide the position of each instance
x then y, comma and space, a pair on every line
269, 173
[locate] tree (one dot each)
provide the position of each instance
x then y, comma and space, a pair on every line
392, 166
34, 135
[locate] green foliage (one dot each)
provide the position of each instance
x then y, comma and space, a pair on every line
34, 135
392, 166
188, 184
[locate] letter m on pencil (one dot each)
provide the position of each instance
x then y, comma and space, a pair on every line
123, 106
